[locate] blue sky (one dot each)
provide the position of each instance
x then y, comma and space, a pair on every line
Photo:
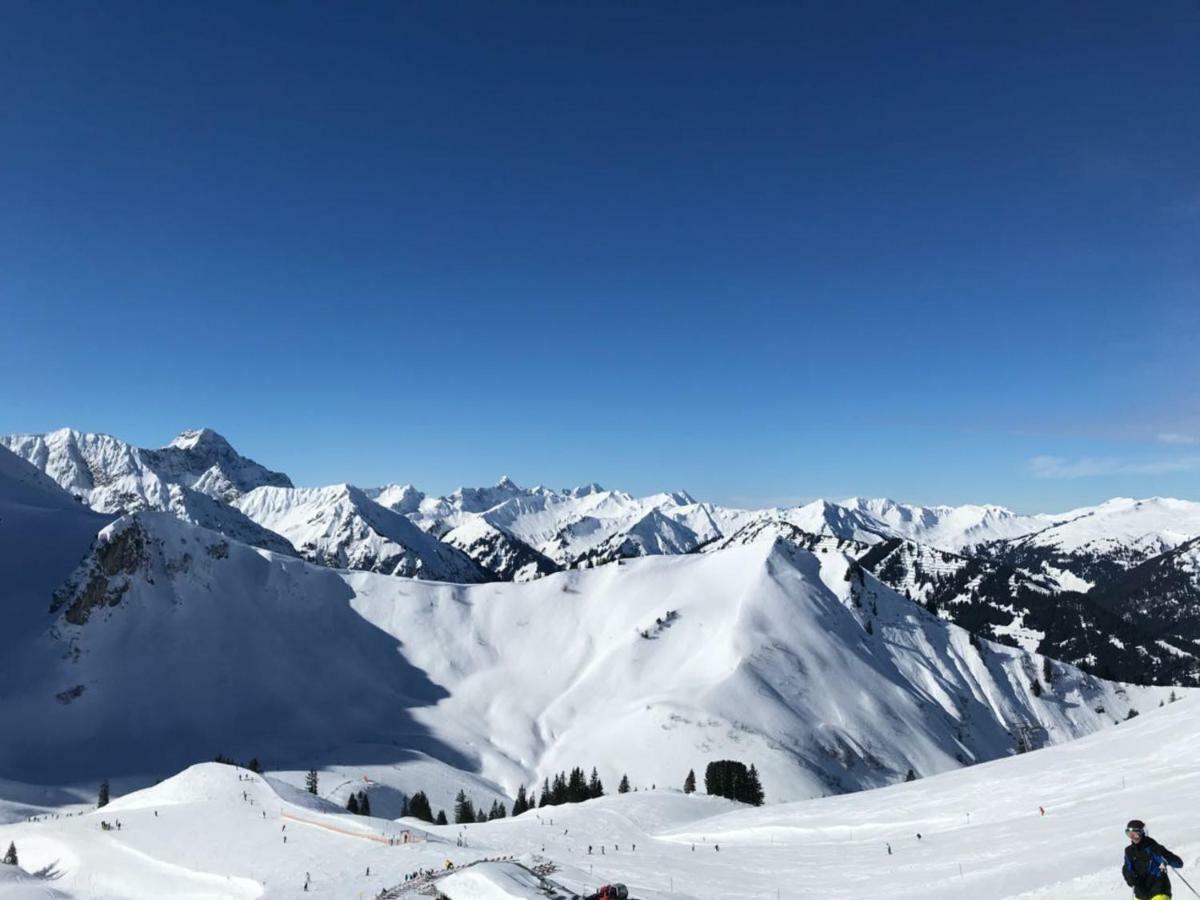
764, 252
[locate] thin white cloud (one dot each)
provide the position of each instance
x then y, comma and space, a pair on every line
1174, 437
1088, 467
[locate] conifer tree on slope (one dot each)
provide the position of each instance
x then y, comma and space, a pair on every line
521, 804
10, 858
464, 809
102, 799
595, 786
419, 808
310, 781
623, 787
689, 783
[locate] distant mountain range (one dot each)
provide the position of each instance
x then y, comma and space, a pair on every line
1110, 588
140, 642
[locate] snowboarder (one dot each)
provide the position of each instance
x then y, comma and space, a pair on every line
1146, 861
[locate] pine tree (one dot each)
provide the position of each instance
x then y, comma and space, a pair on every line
521, 804
545, 801
623, 787
481, 816
1048, 670
102, 799
870, 629
731, 779
595, 787
310, 781
464, 809
576, 786
911, 776
352, 804
364, 804
1036, 688
441, 818
689, 783
558, 792
10, 858
754, 790
418, 807
404, 808
501, 813
254, 766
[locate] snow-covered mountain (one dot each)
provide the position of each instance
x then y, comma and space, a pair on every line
951, 528
44, 532
171, 643
1098, 543
498, 552
573, 526
341, 526
204, 461
190, 478
113, 476
1122, 634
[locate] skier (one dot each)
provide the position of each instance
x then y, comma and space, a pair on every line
1145, 864
889, 846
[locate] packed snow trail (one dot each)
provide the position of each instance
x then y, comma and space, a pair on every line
982, 834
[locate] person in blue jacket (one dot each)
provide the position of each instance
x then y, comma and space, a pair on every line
1146, 862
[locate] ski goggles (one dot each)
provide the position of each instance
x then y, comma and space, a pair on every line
1132, 831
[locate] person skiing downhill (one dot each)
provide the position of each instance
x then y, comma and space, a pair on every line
1146, 861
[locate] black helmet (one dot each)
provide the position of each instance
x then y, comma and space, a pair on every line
1136, 825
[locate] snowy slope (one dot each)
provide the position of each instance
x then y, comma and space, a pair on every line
983, 835
173, 643
44, 532
341, 526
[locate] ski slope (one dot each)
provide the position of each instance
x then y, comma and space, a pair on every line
982, 836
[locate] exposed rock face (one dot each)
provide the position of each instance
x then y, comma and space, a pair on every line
119, 552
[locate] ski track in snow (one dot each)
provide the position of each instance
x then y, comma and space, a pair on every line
207, 842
